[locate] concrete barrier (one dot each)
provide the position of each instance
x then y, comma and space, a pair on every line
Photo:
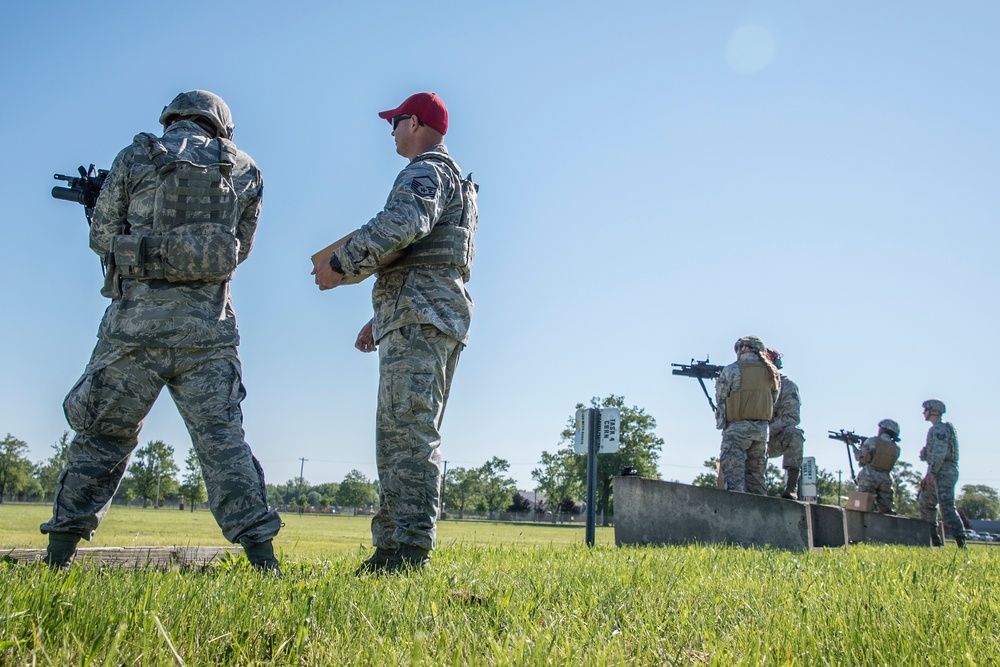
829, 526
887, 529
649, 511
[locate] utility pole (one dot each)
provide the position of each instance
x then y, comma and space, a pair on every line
839, 475
302, 473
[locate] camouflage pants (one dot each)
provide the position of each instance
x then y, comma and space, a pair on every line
787, 444
879, 482
743, 457
416, 366
940, 492
106, 408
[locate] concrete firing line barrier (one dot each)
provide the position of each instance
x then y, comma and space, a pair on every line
649, 511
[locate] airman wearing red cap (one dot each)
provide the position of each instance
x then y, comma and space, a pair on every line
421, 323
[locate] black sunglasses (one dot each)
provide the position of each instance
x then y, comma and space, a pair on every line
396, 120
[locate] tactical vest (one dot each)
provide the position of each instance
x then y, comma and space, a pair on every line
452, 241
885, 455
754, 399
195, 213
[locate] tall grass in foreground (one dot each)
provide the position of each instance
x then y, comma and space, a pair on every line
517, 604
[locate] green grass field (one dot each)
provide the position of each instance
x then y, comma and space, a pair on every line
497, 595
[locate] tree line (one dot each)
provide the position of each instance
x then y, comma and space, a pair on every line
560, 478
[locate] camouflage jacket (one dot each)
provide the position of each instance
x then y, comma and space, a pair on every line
787, 408
425, 193
157, 313
941, 448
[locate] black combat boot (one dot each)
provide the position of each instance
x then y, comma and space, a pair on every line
261, 557
936, 536
61, 550
377, 563
960, 540
408, 558
791, 484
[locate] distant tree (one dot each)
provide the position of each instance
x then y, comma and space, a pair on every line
356, 491
710, 479
48, 471
15, 468
559, 475
192, 488
639, 448
458, 489
324, 502
152, 472
313, 497
905, 485
830, 488
979, 501
492, 486
519, 504
774, 479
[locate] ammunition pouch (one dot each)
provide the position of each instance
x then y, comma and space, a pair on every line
195, 252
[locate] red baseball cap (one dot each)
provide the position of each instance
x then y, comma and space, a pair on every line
428, 107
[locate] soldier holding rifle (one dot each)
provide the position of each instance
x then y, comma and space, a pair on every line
745, 392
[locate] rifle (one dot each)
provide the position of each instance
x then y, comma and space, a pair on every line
701, 370
83, 189
850, 439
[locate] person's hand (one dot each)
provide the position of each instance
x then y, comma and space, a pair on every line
926, 480
326, 277
365, 341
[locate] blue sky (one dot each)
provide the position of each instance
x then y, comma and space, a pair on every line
657, 180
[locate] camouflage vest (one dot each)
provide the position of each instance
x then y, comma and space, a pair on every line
452, 241
885, 455
753, 400
195, 213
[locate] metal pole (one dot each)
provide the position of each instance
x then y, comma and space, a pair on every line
444, 477
594, 417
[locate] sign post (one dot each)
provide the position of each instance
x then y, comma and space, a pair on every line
597, 432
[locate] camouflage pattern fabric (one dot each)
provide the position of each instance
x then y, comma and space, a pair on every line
939, 491
158, 313
425, 193
878, 482
181, 335
941, 454
743, 459
416, 366
941, 448
106, 408
785, 438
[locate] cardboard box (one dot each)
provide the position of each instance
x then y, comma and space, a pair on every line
861, 502
327, 252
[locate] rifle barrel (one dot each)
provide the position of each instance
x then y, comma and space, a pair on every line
69, 194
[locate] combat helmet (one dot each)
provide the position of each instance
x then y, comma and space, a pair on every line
934, 405
775, 357
754, 343
202, 104
891, 426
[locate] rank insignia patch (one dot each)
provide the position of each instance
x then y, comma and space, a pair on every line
423, 186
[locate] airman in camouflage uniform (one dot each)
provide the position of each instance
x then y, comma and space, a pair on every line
175, 216
785, 438
937, 488
745, 393
878, 455
420, 327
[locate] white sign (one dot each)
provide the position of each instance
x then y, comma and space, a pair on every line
807, 486
609, 429
809, 470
